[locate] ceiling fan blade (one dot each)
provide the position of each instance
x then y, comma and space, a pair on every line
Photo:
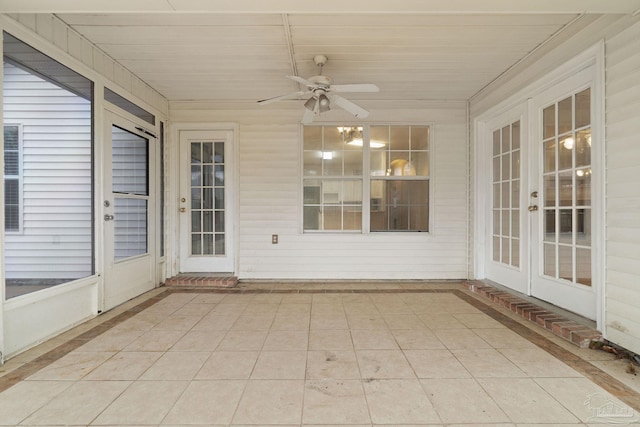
363, 87
307, 117
282, 97
302, 81
349, 106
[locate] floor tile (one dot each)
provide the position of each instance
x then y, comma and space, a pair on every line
460, 339
253, 322
271, 402
399, 402
199, 341
286, 341
112, 340
330, 340
176, 366
73, 366
228, 365
334, 402
530, 405
291, 322
364, 339
436, 364
280, 365
126, 365
79, 404
403, 321
195, 309
416, 339
155, 340
144, 402
365, 321
462, 401
215, 322
335, 364
207, 402
536, 362
383, 364
503, 338
323, 321
586, 400
243, 341
24, 398
435, 320
478, 321
177, 323
487, 362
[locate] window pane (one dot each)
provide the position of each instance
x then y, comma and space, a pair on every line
549, 121
583, 266
404, 207
312, 138
129, 162
515, 135
565, 115
550, 156
53, 104
130, 227
583, 148
583, 108
419, 138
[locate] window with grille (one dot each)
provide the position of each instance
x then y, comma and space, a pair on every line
370, 178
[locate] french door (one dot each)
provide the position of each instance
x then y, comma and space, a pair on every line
508, 258
206, 201
563, 220
128, 211
541, 219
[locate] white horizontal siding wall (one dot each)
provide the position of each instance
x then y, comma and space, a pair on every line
270, 199
622, 301
55, 242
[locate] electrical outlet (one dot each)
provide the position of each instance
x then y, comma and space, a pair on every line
274, 239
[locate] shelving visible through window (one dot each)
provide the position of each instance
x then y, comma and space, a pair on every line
395, 160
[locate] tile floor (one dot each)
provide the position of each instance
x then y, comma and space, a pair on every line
404, 357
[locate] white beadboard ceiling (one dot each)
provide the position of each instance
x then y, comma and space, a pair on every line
241, 51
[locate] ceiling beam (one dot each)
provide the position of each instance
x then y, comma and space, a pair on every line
323, 7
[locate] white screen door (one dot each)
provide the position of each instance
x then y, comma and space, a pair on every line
206, 202
128, 211
562, 216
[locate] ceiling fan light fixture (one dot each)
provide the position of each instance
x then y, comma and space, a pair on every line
311, 104
324, 103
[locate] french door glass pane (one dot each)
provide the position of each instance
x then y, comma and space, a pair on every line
207, 198
506, 195
567, 189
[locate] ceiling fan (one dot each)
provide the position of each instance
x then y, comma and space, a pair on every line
323, 96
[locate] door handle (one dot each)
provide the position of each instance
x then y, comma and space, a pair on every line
533, 208
108, 217
183, 210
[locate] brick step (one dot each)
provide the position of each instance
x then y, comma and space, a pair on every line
559, 325
202, 280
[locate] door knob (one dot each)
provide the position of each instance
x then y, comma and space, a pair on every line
183, 210
108, 217
533, 208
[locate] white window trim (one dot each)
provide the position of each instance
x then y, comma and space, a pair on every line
20, 178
